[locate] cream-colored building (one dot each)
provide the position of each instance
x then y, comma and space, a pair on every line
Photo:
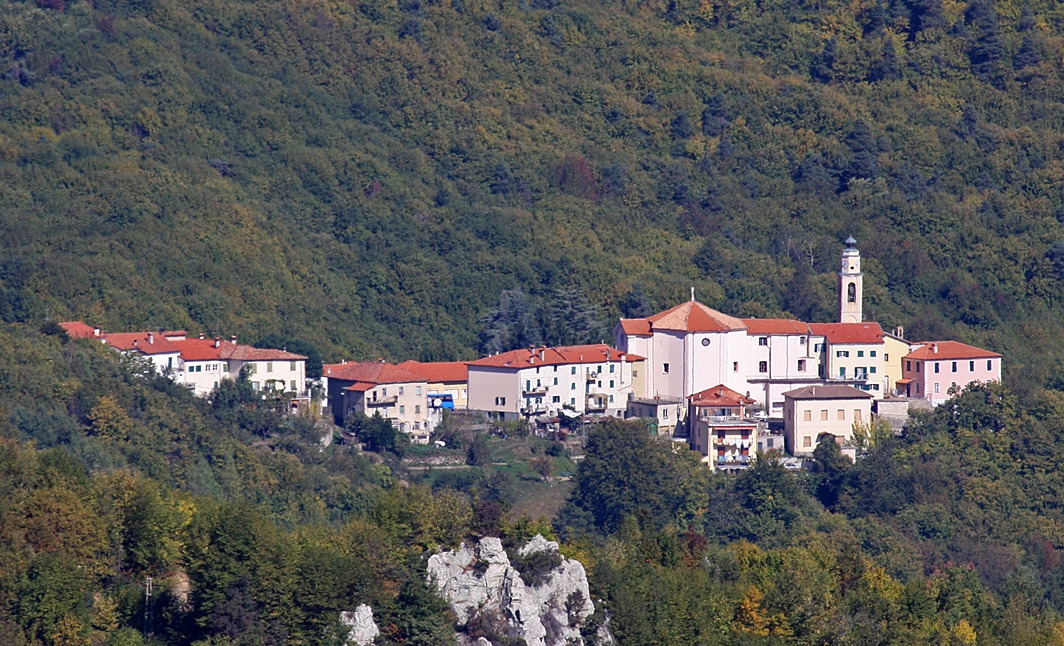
812, 410
206, 362
545, 382
370, 387
447, 378
720, 430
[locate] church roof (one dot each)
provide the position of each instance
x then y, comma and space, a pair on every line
693, 316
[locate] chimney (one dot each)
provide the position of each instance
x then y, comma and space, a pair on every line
96, 331
201, 336
380, 359
134, 343
151, 338
217, 341
543, 353
900, 332
934, 348
233, 339
343, 362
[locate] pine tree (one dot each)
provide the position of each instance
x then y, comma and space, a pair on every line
862, 146
887, 69
986, 51
822, 69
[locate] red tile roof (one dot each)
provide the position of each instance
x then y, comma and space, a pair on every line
78, 330
720, 395
775, 326
439, 371
371, 372
143, 342
518, 359
636, 327
950, 350
205, 350
847, 333
693, 316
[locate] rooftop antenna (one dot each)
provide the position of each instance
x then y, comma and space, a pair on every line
692, 293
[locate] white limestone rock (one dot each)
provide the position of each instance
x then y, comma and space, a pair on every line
481, 582
363, 629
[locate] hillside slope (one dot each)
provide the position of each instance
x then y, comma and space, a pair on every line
367, 176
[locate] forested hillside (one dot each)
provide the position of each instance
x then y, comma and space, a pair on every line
367, 176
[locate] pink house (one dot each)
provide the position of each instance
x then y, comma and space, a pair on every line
720, 429
935, 368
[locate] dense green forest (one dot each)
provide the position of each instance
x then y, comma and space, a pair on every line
254, 534
366, 177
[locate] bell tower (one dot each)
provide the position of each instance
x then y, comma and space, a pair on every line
850, 284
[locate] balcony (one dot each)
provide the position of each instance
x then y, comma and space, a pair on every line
591, 376
538, 391
597, 403
383, 401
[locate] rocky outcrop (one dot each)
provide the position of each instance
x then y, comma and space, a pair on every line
540, 597
363, 629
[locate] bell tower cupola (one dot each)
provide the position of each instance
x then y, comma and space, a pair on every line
850, 284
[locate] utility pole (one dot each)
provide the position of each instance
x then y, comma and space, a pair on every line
147, 606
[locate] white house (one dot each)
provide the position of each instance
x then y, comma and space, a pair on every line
594, 379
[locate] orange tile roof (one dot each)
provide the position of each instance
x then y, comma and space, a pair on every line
636, 327
518, 359
143, 342
371, 372
720, 395
78, 330
439, 371
693, 316
775, 326
950, 350
843, 333
205, 350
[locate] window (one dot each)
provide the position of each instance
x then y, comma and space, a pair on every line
762, 366
851, 293
252, 368
818, 347
842, 353
807, 416
971, 366
801, 365
872, 369
611, 383
293, 384
936, 387
842, 371
762, 340
612, 368
665, 368
417, 391
611, 399
500, 401
840, 415
555, 381
572, 401
572, 386
254, 385
574, 370
664, 413
269, 366
860, 353
989, 364
936, 367
909, 365
384, 392
801, 340
871, 353
823, 414
417, 409
417, 426
292, 366
735, 366
857, 414
918, 366
400, 391
807, 441
555, 399
402, 410
953, 368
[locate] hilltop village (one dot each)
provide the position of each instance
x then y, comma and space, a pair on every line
729, 387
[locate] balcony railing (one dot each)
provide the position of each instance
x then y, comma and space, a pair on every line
538, 391
383, 401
